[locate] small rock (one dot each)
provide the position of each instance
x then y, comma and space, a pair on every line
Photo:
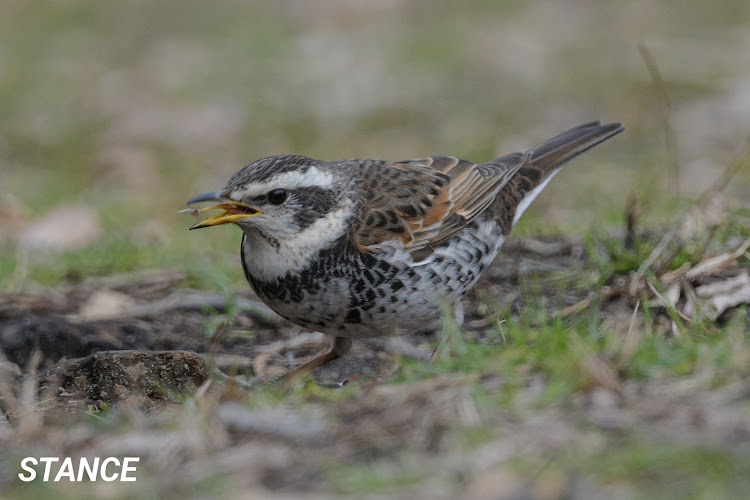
147, 377
106, 304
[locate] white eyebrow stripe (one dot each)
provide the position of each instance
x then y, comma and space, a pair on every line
313, 177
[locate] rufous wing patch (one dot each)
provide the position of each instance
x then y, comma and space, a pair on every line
426, 201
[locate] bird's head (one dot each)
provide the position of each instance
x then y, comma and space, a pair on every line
279, 196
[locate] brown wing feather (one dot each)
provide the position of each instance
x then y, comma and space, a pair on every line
424, 202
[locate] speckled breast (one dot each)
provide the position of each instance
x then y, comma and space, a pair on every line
347, 293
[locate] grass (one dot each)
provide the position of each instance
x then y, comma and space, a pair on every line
366, 479
540, 364
573, 357
640, 464
559, 352
675, 471
194, 92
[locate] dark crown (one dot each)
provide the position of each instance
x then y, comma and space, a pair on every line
265, 168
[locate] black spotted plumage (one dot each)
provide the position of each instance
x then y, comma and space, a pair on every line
365, 247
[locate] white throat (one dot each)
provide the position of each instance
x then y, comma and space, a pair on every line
266, 262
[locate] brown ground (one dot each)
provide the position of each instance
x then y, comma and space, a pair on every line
151, 312
135, 345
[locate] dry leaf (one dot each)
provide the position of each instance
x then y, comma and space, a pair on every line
723, 295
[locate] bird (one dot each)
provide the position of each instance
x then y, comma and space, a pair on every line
361, 248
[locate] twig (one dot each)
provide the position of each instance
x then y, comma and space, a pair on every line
606, 293
669, 307
630, 343
576, 308
692, 307
666, 103
716, 264
244, 384
303, 340
194, 301
152, 278
657, 251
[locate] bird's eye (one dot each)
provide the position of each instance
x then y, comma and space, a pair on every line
277, 196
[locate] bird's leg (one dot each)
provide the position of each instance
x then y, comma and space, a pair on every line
339, 347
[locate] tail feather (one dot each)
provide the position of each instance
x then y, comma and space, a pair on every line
556, 152
542, 163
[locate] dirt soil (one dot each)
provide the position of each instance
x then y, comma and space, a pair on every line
150, 312
139, 345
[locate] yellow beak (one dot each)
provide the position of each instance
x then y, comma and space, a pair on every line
233, 211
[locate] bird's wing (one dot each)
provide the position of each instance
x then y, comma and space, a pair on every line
424, 202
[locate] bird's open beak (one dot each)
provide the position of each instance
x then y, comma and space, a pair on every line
233, 211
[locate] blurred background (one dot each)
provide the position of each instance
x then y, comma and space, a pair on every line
115, 113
